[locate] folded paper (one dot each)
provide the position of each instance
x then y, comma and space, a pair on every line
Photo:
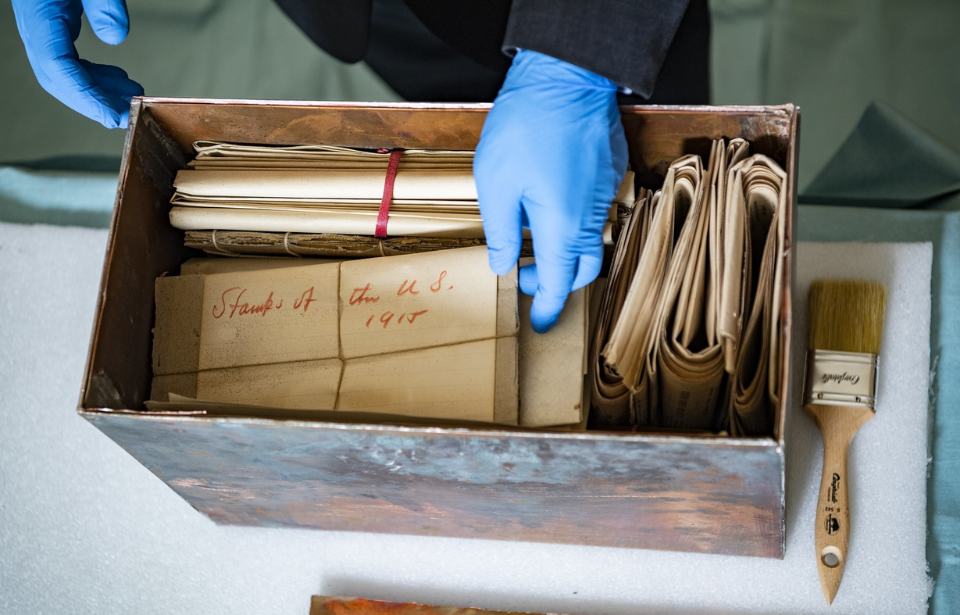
292, 336
319, 189
687, 334
550, 366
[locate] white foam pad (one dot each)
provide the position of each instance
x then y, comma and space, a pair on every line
84, 528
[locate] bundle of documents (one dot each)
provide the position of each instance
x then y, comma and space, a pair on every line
315, 200
431, 334
687, 331
259, 243
432, 337
324, 189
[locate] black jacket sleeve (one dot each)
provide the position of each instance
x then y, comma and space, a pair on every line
623, 40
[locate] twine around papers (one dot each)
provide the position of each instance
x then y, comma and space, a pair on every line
389, 180
220, 249
286, 245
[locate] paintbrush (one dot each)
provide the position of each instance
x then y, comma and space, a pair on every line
846, 322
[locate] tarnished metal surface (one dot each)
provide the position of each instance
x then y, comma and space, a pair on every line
624, 491
717, 495
789, 271
141, 246
375, 125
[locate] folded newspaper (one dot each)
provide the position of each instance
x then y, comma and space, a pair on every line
687, 331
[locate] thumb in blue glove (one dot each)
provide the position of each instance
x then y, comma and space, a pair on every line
551, 157
49, 29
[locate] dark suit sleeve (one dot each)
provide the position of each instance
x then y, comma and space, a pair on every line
622, 40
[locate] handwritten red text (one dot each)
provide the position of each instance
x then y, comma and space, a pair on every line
387, 317
359, 295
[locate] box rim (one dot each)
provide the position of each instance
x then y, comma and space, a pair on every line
788, 111
385, 428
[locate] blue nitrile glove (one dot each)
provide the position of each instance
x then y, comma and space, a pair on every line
551, 157
49, 28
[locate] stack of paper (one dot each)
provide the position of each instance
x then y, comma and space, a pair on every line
260, 243
610, 396
551, 365
319, 200
687, 331
323, 189
429, 335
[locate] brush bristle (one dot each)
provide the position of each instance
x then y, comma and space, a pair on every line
847, 315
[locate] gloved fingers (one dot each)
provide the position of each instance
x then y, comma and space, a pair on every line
528, 279
116, 87
620, 154
113, 81
588, 266
501, 226
109, 19
99, 72
48, 30
554, 282
70, 83
587, 270
501, 215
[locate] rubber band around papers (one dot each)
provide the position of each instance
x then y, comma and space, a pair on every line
389, 180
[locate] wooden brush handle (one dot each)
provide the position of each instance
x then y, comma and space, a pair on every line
838, 425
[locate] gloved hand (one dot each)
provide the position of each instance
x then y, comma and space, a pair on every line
551, 157
50, 27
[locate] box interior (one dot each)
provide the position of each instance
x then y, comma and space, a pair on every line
143, 245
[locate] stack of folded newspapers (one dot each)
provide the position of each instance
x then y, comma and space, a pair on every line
686, 336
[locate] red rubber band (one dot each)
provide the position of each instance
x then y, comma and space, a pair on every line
391, 178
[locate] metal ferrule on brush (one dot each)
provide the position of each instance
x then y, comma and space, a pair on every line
841, 378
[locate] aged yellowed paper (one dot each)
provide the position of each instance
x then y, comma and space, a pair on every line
373, 332
417, 301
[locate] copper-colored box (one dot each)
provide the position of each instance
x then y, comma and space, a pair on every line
705, 494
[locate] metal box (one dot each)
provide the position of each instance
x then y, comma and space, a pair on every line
656, 491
